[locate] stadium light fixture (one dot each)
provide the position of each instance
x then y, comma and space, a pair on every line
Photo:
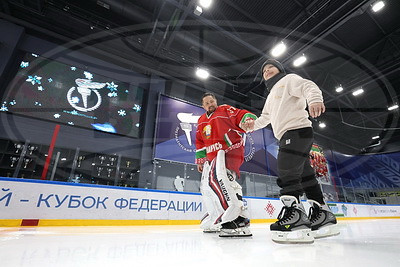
278, 50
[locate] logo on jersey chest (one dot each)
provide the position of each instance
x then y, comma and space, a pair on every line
207, 131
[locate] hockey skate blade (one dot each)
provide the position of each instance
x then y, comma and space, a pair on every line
326, 231
240, 232
303, 236
211, 231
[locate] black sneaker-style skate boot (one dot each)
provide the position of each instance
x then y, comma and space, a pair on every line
322, 217
236, 228
293, 225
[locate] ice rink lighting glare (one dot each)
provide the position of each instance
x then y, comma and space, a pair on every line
375, 137
299, 61
278, 50
358, 92
202, 73
393, 107
205, 3
322, 125
377, 6
339, 89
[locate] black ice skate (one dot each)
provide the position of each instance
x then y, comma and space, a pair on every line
323, 221
236, 228
293, 225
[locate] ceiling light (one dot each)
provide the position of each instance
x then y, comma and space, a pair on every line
377, 6
358, 92
299, 61
393, 107
375, 137
278, 50
339, 89
205, 3
198, 10
202, 73
322, 125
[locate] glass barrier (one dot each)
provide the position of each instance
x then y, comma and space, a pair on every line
31, 161
174, 176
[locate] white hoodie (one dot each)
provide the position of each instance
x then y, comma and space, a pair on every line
286, 103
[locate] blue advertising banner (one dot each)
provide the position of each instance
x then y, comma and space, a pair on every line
176, 134
376, 171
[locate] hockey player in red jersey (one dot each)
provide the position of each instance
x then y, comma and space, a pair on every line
219, 155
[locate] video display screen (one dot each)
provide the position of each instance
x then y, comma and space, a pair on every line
51, 90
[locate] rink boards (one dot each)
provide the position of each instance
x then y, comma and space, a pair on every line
26, 202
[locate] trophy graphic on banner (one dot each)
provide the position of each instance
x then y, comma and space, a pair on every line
186, 124
85, 89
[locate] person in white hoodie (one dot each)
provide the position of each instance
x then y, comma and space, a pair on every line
285, 109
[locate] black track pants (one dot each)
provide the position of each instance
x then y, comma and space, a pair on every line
295, 174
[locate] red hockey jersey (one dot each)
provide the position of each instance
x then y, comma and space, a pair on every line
220, 130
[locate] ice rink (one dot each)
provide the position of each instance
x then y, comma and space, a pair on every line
361, 243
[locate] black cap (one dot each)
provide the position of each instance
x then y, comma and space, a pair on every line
275, 63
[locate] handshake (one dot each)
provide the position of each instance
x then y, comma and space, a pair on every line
247, 125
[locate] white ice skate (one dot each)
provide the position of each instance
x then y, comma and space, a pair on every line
293, 237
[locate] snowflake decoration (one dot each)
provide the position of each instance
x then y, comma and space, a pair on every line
137, 108
57, 115
137, 125
122, 112
75, 100
73, 68
112, 94
112, 86
40, 88
3, 107
38, 104
12, 103
76, 180
71, 123
24, 64
49, 80
88, 75
34, 79
35, 55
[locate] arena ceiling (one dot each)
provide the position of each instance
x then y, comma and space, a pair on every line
345, 42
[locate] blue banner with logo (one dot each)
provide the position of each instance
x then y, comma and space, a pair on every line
374, 171
176, 135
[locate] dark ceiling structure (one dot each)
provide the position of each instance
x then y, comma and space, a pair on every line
346, 44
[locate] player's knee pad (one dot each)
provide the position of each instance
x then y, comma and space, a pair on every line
230, 189
210, 199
